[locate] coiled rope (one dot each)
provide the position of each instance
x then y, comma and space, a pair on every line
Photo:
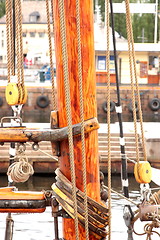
21, 170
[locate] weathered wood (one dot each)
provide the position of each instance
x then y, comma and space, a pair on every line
89, 92
95, 227
23, 134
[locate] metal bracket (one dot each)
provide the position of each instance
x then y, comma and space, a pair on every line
17, 119
127, 215
55, 210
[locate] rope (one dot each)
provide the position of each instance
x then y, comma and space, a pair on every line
108, 115
68, 108
19, 45
148, 229
50, 54
82, 117
132, 63
21, 49
49, 155
8, 29
18, 48
121, 195
20, 171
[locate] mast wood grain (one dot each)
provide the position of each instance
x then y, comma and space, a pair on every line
89, 92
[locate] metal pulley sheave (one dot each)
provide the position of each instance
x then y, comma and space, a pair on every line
143, 172
15, 94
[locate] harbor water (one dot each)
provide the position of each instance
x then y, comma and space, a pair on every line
40, 226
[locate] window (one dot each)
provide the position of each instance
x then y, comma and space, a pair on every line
24, 34
101, 63
2, 43
32, 34
41, 34
2, 33
34, 17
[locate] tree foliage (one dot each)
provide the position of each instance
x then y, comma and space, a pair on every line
143, 24
2, 8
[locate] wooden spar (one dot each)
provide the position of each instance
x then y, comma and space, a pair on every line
23, 134
89, 92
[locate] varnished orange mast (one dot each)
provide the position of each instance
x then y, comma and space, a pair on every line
89, 92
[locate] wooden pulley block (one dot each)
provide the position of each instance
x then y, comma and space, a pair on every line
12, 94
143, 172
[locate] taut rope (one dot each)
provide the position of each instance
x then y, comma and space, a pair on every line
82, 117
50, 53
133, 73
108, 115
68, 108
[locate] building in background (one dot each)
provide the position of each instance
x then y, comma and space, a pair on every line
36, 47
35, 37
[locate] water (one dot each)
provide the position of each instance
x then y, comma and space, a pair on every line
41, 227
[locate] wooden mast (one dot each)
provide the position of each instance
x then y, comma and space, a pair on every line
88, 72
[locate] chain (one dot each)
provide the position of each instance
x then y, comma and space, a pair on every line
68, 109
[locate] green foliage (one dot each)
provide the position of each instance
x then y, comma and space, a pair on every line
2, 8
143, 24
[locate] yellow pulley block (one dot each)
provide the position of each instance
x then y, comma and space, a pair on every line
143, 172
12, 94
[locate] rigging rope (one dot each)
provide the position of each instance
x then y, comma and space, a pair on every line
68, 108
82, 117
17, 18
108, 115
14, 37
50, 52
9, 38
133, 73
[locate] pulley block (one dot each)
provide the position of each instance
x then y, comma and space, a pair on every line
12, 94
143, 172
15, 94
